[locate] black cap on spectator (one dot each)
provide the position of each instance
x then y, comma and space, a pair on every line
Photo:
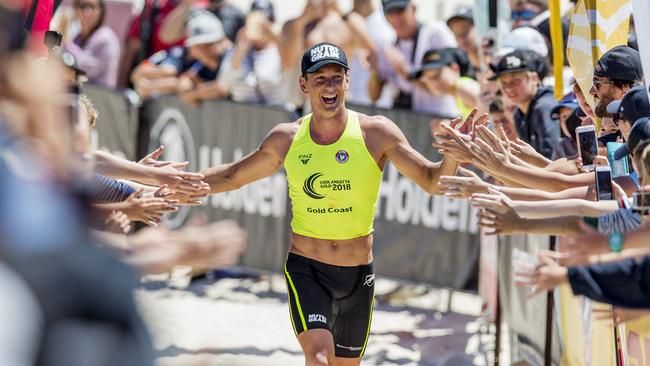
320, 55
462, 13
515, 61
621, 63
633, 106
266, 7
438, 58
639, 132
389, 5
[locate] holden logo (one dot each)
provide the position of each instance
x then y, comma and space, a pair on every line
308, 186
342, 156
513, 61
172, 131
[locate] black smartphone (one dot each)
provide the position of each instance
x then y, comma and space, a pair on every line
641, 202
52, 39
587, 145
604, 187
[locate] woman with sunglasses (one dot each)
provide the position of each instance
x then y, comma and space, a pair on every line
96, 47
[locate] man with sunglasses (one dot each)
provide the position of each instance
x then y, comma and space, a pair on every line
524, 11
615, 73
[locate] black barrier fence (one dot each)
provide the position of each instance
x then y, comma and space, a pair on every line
417, 237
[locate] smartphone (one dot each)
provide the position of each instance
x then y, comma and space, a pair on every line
619, 167
604, 188
52, 39
587, 145
641, 202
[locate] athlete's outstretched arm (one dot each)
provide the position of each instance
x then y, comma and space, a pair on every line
261, 163
411, 163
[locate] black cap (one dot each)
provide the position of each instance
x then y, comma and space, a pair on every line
320, 55
639, 132
515, 61
437, 58
462, 13
580, 113
389, 5
621, 63
633, 106
266, 7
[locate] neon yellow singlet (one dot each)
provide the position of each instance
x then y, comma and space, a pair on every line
333, 188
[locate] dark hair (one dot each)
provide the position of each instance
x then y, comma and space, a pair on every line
626, 83
102, 16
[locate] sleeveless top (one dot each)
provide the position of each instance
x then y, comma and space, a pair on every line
333, 188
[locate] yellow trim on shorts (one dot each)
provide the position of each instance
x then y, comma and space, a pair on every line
295, 294
372, 304
290, 312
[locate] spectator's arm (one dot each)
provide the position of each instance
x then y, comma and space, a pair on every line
148, 79
173, 27
529, 194
544, 180
375, 86
357, 25
623, 283
205, 91
109, 190
292, 42
559, 208
131, 48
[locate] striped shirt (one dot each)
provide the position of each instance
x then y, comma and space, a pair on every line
623, 221
108, 190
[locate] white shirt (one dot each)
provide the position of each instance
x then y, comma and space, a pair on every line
382, 35
431, 36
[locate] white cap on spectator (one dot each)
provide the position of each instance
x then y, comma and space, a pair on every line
203, 27
524, 38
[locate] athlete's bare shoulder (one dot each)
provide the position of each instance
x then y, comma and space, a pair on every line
280, 137
379, 128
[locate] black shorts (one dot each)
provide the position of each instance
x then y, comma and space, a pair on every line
339, 299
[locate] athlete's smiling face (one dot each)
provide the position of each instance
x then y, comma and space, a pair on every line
326, 87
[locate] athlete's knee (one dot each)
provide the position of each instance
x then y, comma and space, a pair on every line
319, 356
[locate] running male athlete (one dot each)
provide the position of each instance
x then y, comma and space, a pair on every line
333, 159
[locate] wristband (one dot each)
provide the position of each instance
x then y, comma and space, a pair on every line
615, 241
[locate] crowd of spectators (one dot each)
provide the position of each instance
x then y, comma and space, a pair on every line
527, 176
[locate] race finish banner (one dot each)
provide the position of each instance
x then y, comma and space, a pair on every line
417, 237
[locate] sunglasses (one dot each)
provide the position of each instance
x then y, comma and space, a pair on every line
523, 14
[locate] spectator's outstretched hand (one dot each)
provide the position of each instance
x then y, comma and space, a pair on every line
462, 186
489, 153
618, 315
546, 276
148, 210
496, 213
118, 222
151, 159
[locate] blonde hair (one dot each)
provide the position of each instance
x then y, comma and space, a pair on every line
91, 111
642, 161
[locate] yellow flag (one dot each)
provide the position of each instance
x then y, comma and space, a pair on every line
596, 27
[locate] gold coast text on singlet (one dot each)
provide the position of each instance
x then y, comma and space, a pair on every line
333, 188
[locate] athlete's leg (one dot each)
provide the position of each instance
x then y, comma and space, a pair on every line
318, 346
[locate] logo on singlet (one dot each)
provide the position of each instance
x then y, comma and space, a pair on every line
304, 158
308, 186
342, 156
